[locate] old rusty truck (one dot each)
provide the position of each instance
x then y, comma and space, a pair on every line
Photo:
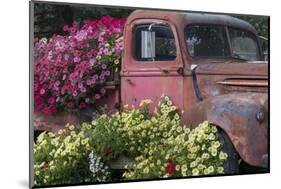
211, 66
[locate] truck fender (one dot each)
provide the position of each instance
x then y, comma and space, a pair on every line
244, 118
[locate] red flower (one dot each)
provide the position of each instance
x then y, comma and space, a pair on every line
106, 150
106, 20
45, 166
82, 105
53, 109
171, 167
70, 105
51, 100
65, 27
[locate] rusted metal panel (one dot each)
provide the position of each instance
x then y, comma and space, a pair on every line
134, 89
238, 118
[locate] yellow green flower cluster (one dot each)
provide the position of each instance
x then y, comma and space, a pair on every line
194, 152
158, 143
158, 137
63, 158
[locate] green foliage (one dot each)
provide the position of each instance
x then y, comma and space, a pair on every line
261, 24
49, 19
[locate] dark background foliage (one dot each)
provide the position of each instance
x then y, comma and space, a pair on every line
49, 19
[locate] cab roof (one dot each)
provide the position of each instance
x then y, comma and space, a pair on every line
192, 18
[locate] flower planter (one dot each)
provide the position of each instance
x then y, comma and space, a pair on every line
120, 162
56, 121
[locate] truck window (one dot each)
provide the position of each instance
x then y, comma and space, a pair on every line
165, 47
207, 41
244, 44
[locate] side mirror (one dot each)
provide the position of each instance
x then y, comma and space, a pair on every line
148, 44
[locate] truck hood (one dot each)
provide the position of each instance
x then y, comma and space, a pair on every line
222, 77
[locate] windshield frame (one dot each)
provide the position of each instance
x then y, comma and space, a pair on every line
228, 41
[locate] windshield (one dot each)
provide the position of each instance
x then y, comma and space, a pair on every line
210, 41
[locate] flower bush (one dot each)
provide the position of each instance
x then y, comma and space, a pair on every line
141, 134
65, 159
157, 142
70, 70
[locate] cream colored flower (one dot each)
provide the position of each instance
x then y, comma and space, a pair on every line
158, 162
220, 169
71, 127
184, 168
146, 170
193, 164
179, 129
222, 156
195, 172
206, 171
211, 169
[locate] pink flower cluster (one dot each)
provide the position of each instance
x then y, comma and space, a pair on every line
70, 70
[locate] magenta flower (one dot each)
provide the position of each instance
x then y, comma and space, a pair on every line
92, 62
97, 96
103, 66
67, 66
80, 85
66, 57
107, 73
95, 77
83, 90
46, 110
76, 59
89, 54
51, 100
106, 20
57, 83
42, 91
101, 76
70, 105
72, 30
103, 91
89, 82
82, 105
74, 93
75, 24
65, 27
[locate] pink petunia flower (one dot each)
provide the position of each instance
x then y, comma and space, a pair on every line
65, 27
102, 90
42, 91
104, 66
97, 96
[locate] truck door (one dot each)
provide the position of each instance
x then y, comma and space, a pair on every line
151, 60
